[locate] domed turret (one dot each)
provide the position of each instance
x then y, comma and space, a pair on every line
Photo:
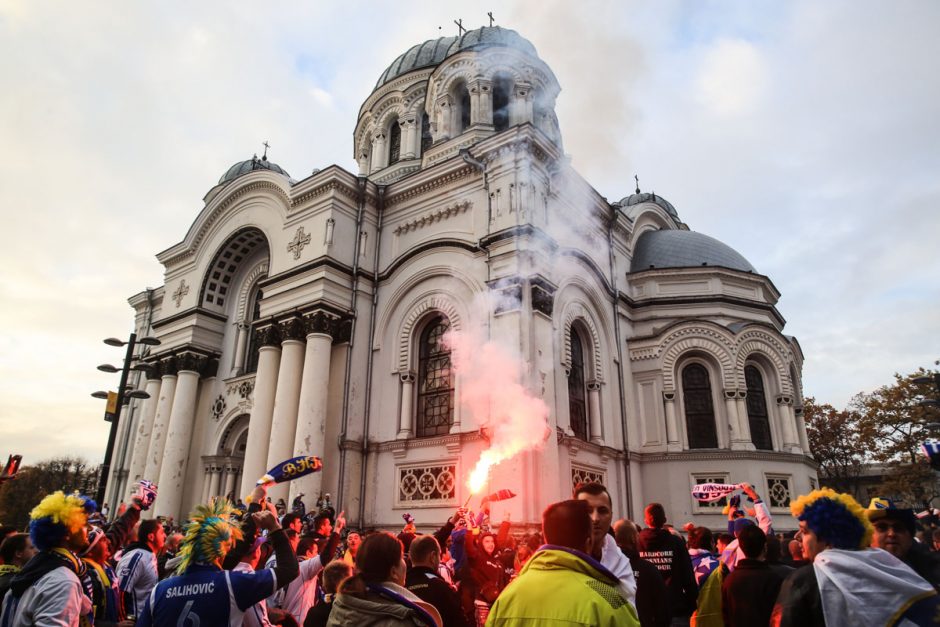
684, 249
641, 197
449, 93
250, 165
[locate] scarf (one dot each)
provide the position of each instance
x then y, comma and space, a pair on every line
44, 563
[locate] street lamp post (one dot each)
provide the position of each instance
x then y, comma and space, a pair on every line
122, 396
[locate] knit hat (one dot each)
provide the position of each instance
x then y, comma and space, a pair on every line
739, 524
834, 517
884, 509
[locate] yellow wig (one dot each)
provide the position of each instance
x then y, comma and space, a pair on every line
834, 517
57, 516
210, 534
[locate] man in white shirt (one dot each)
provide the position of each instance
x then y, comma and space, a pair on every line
604, 546
137, 571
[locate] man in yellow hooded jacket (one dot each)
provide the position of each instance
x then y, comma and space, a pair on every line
561, 583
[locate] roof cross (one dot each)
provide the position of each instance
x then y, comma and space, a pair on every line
490, 15
460, 29
637, 178
266, 146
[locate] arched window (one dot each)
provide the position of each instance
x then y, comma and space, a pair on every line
502, 88
462, 97
757, 416
426, 138
699, 410
435, 381
394, 142
577, 393
251, 360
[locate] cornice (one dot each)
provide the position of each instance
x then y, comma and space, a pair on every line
432, 217
723, 455
450, 440
192, 311
431, 185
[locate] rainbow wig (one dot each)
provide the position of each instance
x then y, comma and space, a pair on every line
835, 518
210, 534
56, 517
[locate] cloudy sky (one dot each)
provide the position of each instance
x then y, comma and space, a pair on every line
804, 134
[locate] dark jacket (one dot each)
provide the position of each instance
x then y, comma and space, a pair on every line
799, 603
748, 594
319, 614
651, 602
924, 563
428, 586
669, 555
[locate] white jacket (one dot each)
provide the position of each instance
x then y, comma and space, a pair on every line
56, 600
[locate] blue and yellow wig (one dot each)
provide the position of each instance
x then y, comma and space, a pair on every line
56, 517
835, 518
210, 534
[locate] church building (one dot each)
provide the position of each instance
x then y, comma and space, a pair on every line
306, 317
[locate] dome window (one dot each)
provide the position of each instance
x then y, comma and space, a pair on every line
394, 142
462, 98
502, 88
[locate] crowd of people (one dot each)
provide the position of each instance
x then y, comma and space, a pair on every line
260, 564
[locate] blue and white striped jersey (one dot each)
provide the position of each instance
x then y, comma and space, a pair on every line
137, 575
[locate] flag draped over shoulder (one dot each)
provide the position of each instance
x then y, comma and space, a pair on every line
709, 492
871, 587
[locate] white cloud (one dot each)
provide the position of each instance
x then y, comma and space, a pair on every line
732, 80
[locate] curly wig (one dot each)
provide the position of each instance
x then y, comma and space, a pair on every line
57, 516
210, 534
835, 518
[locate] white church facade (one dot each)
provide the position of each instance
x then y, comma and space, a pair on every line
306, 317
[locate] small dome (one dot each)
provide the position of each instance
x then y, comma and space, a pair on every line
434, 51
636, 199
684, 249
244, 167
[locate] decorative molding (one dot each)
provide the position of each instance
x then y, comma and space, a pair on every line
420, 310
429, 484
248, 287
297, 244
720, 455
319, 190
449, 440
577, 312
433, 217
431, 185
542, 294
293, 328
218, 408
180, 292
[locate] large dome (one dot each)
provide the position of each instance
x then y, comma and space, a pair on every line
250, 165
684, 249
641, 197
433, 51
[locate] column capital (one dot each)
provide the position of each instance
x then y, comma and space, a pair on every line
407, 377
292, 329
267, 336
742, 394
783, 399
319, 322
593, 385
669, 395
730, 393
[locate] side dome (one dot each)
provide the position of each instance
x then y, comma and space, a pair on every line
250, 165
684, 249
641, 197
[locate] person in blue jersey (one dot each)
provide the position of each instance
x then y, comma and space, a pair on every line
202, 593
137, 572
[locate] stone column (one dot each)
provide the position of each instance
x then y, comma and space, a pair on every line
406, 416
520, 108
409, 145
205, 482
230, 473
259, 425
363, 164
287, 399
788, 421
740, 402
161, 421
309, 438
594, 411
672, 429
241, 345
801, 430
379, 157
141, 441
741, 430
214, 480
179, 438
445, 124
